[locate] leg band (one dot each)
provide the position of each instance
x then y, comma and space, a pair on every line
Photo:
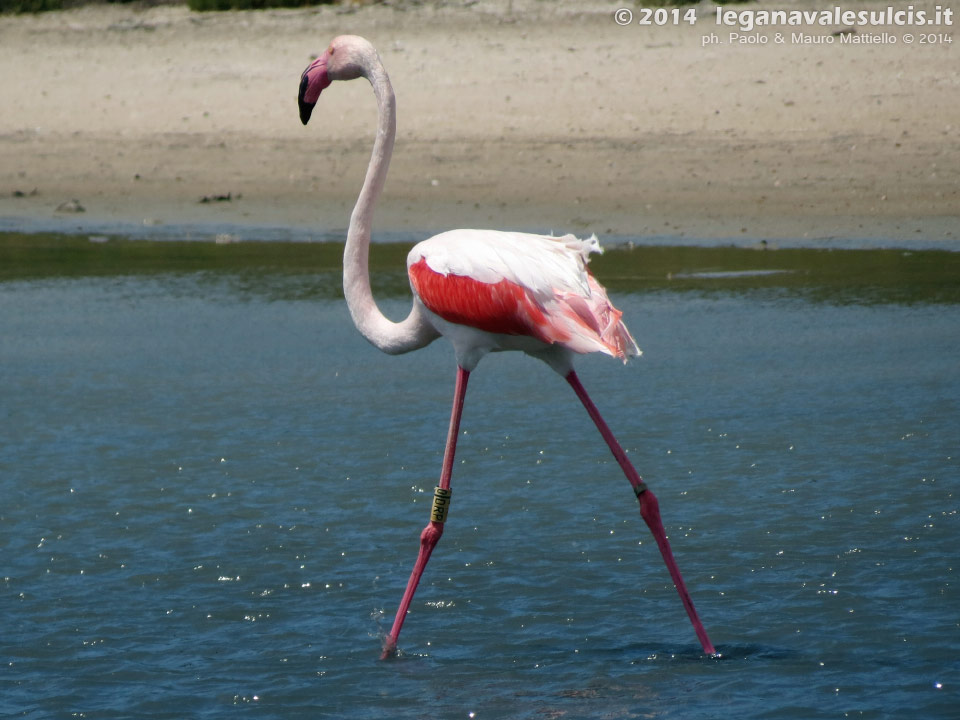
441, 503
640, 489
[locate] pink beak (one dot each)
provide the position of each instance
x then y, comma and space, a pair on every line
312, 83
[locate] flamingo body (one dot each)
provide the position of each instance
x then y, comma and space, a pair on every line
488, 290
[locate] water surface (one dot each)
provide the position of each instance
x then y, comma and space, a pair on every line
213, 487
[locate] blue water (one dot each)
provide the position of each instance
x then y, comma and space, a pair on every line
212, 490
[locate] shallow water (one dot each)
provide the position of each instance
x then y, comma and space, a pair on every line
213, 487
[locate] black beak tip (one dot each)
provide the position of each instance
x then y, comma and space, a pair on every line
305, 107
305, 110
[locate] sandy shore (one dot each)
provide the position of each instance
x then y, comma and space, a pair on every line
529, 115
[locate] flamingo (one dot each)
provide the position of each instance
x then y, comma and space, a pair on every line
485, 291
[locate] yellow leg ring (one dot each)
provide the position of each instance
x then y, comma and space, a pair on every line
441, 503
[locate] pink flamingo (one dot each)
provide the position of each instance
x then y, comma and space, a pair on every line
485, 291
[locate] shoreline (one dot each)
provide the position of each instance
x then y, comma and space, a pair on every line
549, 118
103, 230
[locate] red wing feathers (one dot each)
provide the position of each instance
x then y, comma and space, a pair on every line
503, 307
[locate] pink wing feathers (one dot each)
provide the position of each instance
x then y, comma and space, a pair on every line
520, 284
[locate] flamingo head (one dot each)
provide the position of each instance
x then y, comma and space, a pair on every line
347, 58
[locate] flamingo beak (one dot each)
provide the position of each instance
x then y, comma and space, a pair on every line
312, 83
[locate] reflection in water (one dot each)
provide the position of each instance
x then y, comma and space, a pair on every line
840, 276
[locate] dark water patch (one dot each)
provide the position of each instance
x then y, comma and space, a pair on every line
835, 276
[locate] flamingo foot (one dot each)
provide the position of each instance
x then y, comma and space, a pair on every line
389, 647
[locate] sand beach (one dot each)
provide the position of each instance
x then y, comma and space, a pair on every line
525, 115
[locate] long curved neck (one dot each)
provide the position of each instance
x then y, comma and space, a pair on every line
414, 332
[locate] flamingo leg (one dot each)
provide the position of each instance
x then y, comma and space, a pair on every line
649, 509
434, 529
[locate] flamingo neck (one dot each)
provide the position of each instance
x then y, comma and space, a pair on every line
414, 332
